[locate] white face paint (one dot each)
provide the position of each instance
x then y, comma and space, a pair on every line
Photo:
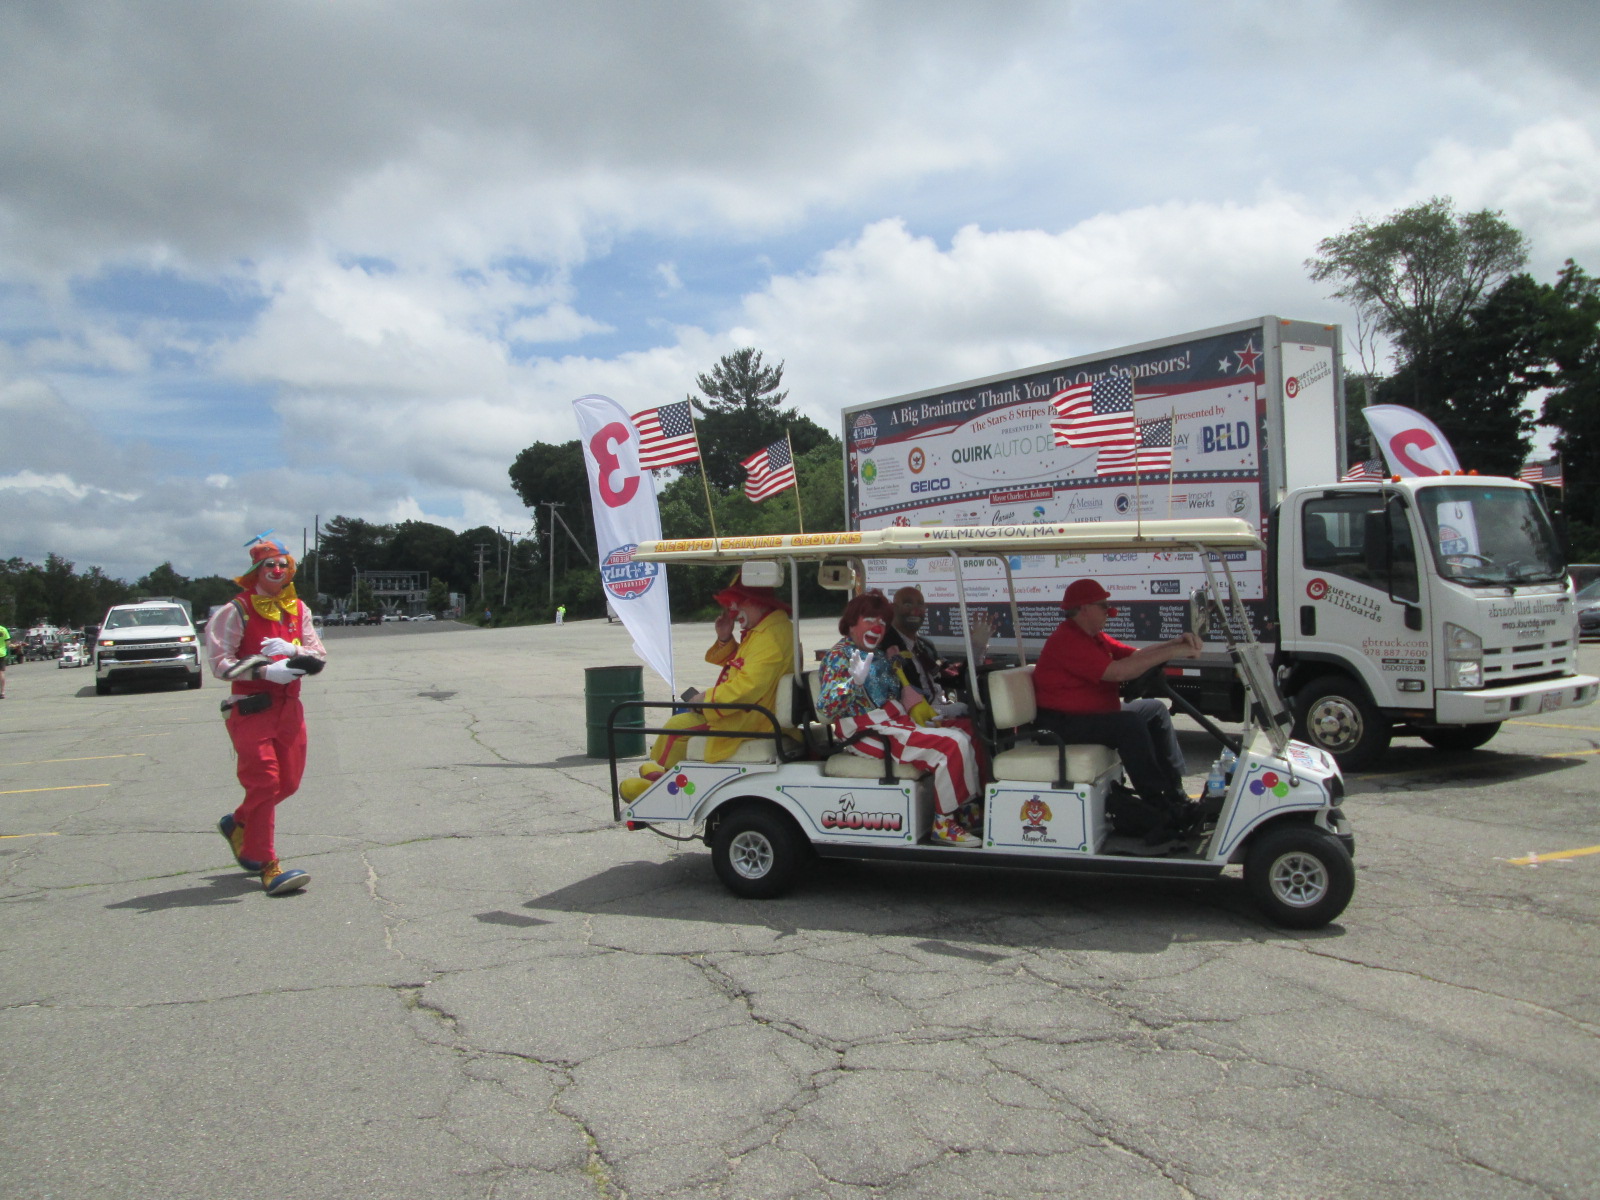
868, 632
272, 577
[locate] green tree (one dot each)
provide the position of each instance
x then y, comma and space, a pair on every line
1572, 405
163, 581
546, 472
350, 544
1421, 271
438, 596
741, 412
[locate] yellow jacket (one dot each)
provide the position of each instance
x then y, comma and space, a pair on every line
751, 670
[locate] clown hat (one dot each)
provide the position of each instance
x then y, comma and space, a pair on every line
262, 548
738, 593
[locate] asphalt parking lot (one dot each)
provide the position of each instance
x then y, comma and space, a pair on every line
490, 991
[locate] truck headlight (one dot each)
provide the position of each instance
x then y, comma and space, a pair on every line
1464, 650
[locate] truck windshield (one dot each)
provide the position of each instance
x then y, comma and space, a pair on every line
127, 618
1490, 535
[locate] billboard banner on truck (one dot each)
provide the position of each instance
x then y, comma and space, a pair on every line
985, 454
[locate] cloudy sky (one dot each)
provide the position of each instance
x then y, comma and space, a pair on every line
264, 261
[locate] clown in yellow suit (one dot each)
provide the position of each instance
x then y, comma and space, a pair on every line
751, 669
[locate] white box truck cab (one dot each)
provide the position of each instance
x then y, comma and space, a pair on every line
1436, 606
798, 793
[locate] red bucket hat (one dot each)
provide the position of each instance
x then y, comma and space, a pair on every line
1086, 591
737, 593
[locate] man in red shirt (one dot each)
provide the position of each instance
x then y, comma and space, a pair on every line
1076, 686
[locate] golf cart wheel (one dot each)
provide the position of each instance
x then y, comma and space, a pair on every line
1299, 876
1334, 714
1459, 737
756, 853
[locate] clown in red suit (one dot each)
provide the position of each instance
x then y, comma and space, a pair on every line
263, 643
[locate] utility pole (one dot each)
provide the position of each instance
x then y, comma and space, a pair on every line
551, 520
482, 546
316, 570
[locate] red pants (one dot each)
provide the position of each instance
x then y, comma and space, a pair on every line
271, 747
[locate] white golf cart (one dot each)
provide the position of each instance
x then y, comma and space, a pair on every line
794, 792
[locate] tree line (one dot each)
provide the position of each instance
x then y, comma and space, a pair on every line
1478, 345
741, 408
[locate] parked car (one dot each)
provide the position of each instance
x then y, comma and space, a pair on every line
1589, 610
389, 618
424, 617
153, 639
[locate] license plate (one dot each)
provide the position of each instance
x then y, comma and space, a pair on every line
1551, 701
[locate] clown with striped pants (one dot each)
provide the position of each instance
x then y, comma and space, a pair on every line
861, 690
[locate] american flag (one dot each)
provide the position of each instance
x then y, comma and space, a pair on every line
770, 471
666, 436
1367, 471
1095, 414
1542, 472
1153, 452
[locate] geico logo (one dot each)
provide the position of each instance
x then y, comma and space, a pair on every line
930, 485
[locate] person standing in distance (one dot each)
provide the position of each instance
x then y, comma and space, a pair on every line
265, 719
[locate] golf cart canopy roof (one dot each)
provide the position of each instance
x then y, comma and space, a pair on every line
1221, 533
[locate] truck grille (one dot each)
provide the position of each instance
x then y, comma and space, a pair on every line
1528, 663
136, 650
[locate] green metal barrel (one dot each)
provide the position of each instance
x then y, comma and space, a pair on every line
603, 689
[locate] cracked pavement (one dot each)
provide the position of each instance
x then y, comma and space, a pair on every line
491, 991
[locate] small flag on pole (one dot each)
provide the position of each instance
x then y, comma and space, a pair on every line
770, 471
666, 436
1542, 472
1095, 414
1152, 454
1370, 470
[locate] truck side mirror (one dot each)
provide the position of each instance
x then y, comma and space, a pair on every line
1375, 544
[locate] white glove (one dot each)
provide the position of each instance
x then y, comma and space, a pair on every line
860, 667
279, 673
279, 648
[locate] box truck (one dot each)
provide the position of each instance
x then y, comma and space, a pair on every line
1434, 606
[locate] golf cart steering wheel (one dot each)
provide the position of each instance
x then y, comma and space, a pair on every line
1151, 683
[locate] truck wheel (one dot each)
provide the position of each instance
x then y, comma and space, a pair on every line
102, 688
756, 853
1459, 737
1299, 876
1333, 714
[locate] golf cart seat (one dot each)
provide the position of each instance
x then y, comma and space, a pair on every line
760, 750
1012, 702
843, 764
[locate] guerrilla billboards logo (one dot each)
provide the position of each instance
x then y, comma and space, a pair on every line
624, 578
864, 433
1362, 606
1035, 814
846, 817
1315, 373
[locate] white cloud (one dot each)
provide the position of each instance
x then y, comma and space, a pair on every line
409, 194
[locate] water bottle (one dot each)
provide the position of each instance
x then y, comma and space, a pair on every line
1229, 761
1216, 784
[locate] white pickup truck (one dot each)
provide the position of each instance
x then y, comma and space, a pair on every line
153, 639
